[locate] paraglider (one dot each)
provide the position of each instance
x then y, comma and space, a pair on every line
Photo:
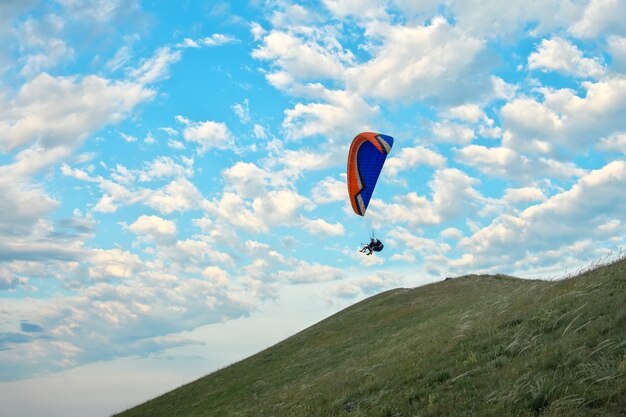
375, 245
366, 158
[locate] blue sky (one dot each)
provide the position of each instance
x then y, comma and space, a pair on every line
173, 175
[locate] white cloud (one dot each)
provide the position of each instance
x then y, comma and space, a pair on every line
157, 67
208, 134
359, 8
242, 110
452, 194
217, 39
112, 263
574, 215
163, 167
234, 210
329, 190
367, 285
127, 318
257, 31
294, 16
178, 195
197, 252
617, 50
321, 227
100, 12
128, 138
557, 54
41, 38
153, 228
471, 113
246, 179
63, 111
506, 163
302, 272
216, 275
601, 17
121, 59
523, 195
280, 207
335, 116
410, 158
495, 18
452, 233
419, 245
564, 120
305, 59
264, 211
297, 162
422, 62
259, 131
411, 209
453, 132
614, 143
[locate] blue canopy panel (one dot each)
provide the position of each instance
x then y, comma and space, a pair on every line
367, 156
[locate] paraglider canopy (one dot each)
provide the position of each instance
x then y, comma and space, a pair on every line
366, 158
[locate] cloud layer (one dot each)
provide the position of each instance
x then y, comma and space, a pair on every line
165, 177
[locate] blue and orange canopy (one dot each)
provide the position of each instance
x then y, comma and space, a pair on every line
365, 161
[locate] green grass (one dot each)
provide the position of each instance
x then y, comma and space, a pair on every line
471, 346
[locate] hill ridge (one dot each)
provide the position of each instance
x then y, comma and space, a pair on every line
484, 345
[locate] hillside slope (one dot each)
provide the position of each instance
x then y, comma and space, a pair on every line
474, 345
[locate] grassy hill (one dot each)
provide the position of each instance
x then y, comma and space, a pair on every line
476, 345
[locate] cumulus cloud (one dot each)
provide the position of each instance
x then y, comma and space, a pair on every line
601, 17
246, 179
503, 162
358, 8
216, 275
422, 62
614, 143
112, 263
580, 213
557, 54
46, 48
471, 113
523, 195
494, 18
22, 205
452, 194
165, 167
367, 285
335, 115
329, 190
617, 49
309, 57
109, 320
302, 272
453, 132
178, 195
565, 121
101, 12
321, 227
271, 208
63, 111
410, 158
207, 134
121, 189
153, 228
415, 245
